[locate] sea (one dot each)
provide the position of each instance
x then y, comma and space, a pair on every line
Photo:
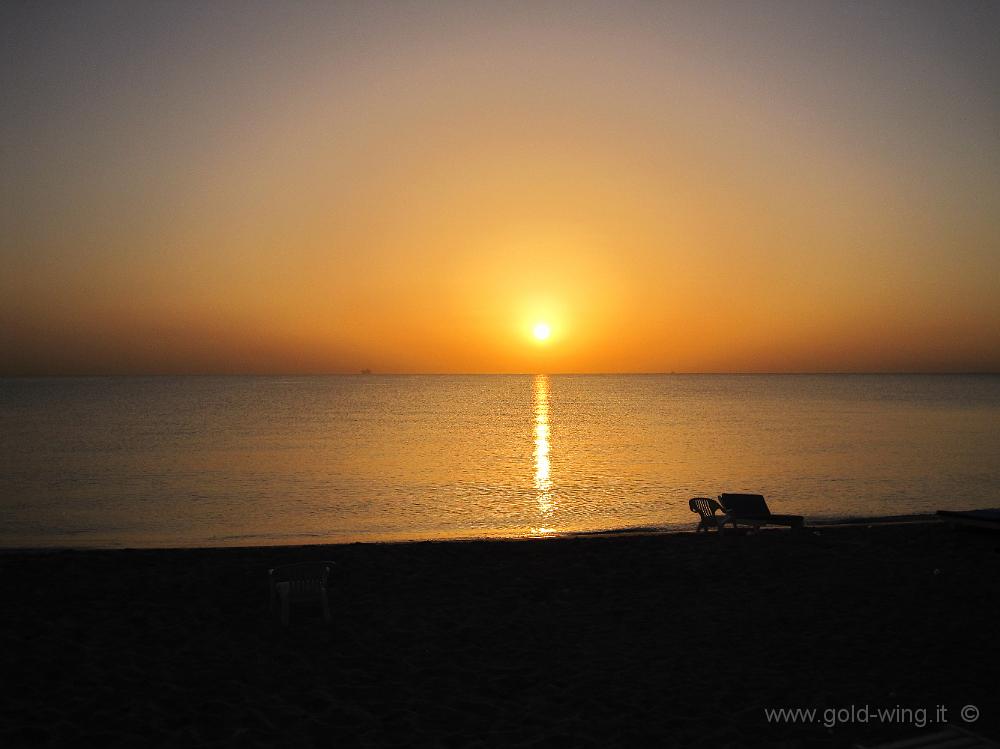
112, 462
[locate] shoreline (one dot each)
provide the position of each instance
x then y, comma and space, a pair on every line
652, 530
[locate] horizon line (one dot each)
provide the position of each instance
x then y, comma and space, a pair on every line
985, 373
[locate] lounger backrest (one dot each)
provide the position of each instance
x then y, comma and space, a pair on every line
704, 506
749, 505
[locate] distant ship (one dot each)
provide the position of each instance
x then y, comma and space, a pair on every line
366, 371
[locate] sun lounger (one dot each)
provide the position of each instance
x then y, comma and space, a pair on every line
303, 583
706, 509
752, 510
972, 518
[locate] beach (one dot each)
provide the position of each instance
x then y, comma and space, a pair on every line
624, 640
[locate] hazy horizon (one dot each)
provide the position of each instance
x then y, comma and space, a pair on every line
372, 373
253, 188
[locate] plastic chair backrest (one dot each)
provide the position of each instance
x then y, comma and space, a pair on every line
705, 507
302, 572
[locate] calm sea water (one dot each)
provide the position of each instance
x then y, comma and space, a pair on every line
261, 460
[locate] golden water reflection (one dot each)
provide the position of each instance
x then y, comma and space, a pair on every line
543, 480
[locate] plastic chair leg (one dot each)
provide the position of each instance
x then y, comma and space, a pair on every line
286, 606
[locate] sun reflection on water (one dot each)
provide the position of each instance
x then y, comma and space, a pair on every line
543, 481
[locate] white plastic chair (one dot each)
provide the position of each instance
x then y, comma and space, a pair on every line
302, 583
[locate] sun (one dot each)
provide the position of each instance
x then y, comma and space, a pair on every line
542, 331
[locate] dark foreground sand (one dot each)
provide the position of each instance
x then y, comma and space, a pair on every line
676, 640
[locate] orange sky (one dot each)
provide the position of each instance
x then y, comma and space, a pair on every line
752, 187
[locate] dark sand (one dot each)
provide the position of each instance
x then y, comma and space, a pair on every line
672, 640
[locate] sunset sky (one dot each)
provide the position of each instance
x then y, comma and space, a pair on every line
413, 187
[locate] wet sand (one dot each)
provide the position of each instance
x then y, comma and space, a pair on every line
670, 640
